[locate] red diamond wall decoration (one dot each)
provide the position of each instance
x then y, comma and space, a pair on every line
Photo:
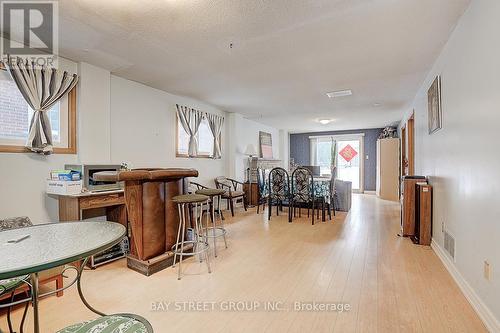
348, 153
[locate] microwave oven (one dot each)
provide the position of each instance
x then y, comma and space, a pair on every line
87, 171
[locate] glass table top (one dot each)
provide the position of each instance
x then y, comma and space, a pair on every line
44, 246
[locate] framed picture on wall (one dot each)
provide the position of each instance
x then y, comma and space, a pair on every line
434, 106
266, 145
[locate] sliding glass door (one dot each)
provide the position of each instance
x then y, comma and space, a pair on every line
349, 162
348, 153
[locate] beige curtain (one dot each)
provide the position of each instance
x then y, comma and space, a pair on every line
215, 122
41, 87
190, 120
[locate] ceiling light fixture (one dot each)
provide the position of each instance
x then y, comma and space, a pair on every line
340, 93
325, 121
377, 104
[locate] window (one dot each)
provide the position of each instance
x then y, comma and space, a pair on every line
15, 118
322, 154
205, 140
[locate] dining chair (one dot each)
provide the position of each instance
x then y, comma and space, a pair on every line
122, 322
233, 193
279, 190
9, 287
302, 191
199, 187
263, 186
330, 201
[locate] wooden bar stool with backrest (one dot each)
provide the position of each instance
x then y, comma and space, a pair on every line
231, 191
199, 243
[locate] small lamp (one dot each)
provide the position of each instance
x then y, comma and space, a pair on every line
250, 150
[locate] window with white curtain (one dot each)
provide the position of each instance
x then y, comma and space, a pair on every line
321, 154
205, 140
15, 116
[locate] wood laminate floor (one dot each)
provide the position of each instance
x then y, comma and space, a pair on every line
389, 284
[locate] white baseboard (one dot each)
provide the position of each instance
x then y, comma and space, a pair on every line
489, 320
370, 192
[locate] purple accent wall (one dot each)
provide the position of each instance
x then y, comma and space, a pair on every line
300, 151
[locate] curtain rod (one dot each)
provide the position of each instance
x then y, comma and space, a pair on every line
203, 112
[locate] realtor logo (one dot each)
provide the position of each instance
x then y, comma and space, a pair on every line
29, 29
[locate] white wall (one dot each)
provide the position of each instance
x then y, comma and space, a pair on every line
94, 114
284, 148
243, 132
143, 129
462, 158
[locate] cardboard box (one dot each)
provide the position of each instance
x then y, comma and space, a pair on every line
64, 187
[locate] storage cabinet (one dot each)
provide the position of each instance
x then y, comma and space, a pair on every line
388, 169
408, 198
423, 214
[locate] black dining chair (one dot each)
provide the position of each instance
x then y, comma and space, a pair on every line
330, 201
279, 190
302, 191
263, 187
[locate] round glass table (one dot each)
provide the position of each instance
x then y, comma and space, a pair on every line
30, 250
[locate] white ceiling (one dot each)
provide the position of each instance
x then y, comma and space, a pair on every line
286, 54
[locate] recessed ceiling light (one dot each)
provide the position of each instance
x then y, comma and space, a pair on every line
340, 93
377, 104
325, 121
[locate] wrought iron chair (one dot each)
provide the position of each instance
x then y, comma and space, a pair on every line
279, 190
263, 186
330, 201
10, 286
122, 322
302, 191
232, 192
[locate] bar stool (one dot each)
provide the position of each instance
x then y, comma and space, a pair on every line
199, 243
214, 232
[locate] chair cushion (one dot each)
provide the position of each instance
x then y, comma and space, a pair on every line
15, 223
108, 324
210, 191
12, 283
190, 198
234, 194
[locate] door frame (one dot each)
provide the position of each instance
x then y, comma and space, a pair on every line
403, 151
411, 144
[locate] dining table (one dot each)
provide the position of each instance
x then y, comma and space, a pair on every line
30, 250
320, 187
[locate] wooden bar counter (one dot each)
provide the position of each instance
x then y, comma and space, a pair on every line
152, 215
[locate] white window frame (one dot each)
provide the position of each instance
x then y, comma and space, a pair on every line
185, 155
67, 118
